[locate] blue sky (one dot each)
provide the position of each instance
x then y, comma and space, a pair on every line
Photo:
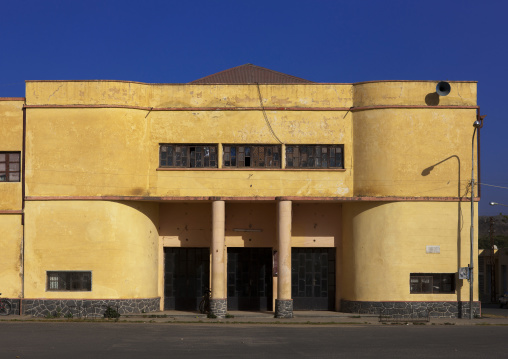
322, 41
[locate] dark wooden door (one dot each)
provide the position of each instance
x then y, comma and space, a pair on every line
313, 278
186, 276
249, 279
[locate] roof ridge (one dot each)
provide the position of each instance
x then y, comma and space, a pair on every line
253, 73
277, 72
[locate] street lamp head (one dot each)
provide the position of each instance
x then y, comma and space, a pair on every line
492, 203
476, 124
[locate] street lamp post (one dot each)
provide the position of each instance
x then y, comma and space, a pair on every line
476, 125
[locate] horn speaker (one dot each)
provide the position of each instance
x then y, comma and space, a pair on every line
443, 88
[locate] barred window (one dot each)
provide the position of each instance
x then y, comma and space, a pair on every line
188, 156
10, 166
252, 156
69, 281
432, 283
315, 156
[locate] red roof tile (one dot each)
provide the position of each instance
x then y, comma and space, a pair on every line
248, 74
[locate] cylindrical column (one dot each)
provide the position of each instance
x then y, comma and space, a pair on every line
284, 303
218, 304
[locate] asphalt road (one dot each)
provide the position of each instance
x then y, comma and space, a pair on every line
139, 340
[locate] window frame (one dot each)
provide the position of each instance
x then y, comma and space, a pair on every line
303, 157
190, 158
5, 174
68, 281
229, 156
436, 283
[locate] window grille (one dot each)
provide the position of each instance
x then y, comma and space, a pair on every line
251, 156
188, 156
314, 156
69, 281
10, 166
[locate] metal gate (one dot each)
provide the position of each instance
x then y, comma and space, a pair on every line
313, 278
249, 279
186, 275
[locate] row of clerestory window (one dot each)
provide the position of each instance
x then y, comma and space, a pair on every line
251, 156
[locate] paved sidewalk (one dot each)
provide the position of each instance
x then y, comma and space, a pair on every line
491, 315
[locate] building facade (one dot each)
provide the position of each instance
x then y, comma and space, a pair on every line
277, 193
492, 274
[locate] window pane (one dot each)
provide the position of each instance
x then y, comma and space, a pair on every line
13, 177
14, 157
426, 284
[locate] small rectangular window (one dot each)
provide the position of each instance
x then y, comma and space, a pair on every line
314, 156
432, 283
10, 165
251, 156
188, 156
69, 281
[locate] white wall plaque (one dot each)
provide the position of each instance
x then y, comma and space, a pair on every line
433, 249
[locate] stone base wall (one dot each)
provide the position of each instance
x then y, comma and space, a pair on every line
218, 307
14, 305
283, 308
412, 309
87, 308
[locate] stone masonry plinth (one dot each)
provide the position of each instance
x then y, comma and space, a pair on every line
92, 308
218, 307
283, 308
412, 309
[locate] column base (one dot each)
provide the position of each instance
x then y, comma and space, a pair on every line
218, 307
283, 308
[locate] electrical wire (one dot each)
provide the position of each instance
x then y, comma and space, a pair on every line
265, 116
491, 185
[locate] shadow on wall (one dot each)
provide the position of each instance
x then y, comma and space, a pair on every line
460, 217
432, 99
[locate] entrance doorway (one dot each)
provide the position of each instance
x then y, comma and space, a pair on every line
186, 276
313, 278
249, 279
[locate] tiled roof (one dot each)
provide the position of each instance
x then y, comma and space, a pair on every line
248, 74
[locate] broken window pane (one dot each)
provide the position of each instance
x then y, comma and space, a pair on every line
187, 156
314, 156
253, 156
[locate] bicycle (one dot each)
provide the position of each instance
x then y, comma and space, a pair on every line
204, 305
5, 306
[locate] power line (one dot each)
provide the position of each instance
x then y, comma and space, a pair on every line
491, 185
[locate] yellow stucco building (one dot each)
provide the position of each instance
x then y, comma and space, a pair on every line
276, 192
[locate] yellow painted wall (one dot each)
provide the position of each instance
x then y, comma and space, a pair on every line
391, 152
316, 225
249, 224
86, 152
11, 234
251, 216
186, 224
416, 152
412, 93
117, 241
11, 139
384, 243
186, 95
116, 152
